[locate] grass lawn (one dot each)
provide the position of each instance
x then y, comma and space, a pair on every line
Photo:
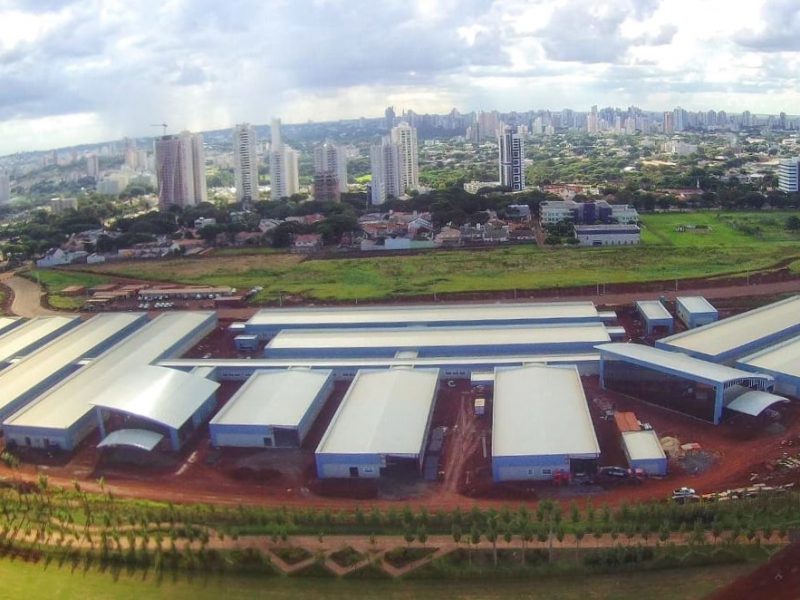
717, 229
27, 581
55, 280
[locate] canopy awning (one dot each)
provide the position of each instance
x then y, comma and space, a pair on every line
135, 438
754, 402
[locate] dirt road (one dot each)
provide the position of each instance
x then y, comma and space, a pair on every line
26, 297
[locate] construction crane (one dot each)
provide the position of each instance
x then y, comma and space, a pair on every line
164, 125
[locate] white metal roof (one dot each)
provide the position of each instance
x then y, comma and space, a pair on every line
541, 411
643, 445
166, 396
421, 337
696, 304
383, 412
6, 322
653, 310
31, 332
783, 358
136, 438
273, 398
60, 353
64, 404
424, 313
729, 334
688, 365
754, 402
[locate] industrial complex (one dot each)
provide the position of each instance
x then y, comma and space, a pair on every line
513, 394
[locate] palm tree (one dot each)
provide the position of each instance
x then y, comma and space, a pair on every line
491, 535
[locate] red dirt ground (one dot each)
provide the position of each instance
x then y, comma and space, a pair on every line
777, 579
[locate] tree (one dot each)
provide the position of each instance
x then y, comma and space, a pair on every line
474, 538
456, 533
422, 534
793, 223
579, 533
491, 535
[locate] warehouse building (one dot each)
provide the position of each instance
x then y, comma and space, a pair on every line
682, 383
738, 336
782, 361
542, 428
644, 452
382, 424
607, 235
168, 403
273, 409
695, 311
34, 374
437, 341
31, 335
64, 415
268, 322
345, 369
655, 316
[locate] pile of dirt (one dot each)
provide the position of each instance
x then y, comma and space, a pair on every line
778, 579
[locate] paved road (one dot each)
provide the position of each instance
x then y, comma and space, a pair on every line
27, 297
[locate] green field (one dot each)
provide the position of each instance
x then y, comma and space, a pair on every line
55, 280
28, 581
725, 243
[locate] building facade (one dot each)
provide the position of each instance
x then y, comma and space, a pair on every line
330, 172
283, 169
385, 166
180, 170
588, 213
789, 175
404, 136
245, 164
607, 235
512, 160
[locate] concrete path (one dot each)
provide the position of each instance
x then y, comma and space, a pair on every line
27, 297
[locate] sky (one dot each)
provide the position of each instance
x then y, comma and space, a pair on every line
85, 71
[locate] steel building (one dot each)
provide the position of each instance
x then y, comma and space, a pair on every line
269, 321
272, 409
34, 374
655, 315
153, 400
31, 335
382, 423
345, 369
782, 361
7, 323
64, 415
682, 383
738, 336
695, 311
438, 341
542, 428
643, 450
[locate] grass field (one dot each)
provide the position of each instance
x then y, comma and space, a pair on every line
33, 581
724, 243
55, 281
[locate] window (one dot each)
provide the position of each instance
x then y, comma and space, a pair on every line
353, 471
268, 441
547, 471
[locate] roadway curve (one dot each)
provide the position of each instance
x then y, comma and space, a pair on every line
26, 297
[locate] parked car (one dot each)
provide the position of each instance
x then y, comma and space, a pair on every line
619, 472
684, 491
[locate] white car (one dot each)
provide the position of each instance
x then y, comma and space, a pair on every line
684, 491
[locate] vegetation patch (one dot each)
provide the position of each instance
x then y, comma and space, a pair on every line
401, 557
371, 570
291, 555
315, 569
347, 557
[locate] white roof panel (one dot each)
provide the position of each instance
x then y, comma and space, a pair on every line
6, 322
347, 316
690, 366
696, 304
65, 350
383, 412
541, 411
783, 358
732, 333
653, 310
166, 396
66, 403
32, 332
136, 438
273, 398
422, 337
643, 445
754, 402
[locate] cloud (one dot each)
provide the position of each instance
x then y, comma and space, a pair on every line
780, 31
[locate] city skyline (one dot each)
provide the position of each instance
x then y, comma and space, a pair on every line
83, 72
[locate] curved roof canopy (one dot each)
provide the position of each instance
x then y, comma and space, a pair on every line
135, 438
678, 363
754, 402
162, 395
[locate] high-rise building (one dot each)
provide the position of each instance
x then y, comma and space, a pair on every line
330, 172
180, 170
5, 188
385, 166
405, 137
593, 121
669, 122
789, 175
93, 166
283, 170
389, 117
245, 164
512, 160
